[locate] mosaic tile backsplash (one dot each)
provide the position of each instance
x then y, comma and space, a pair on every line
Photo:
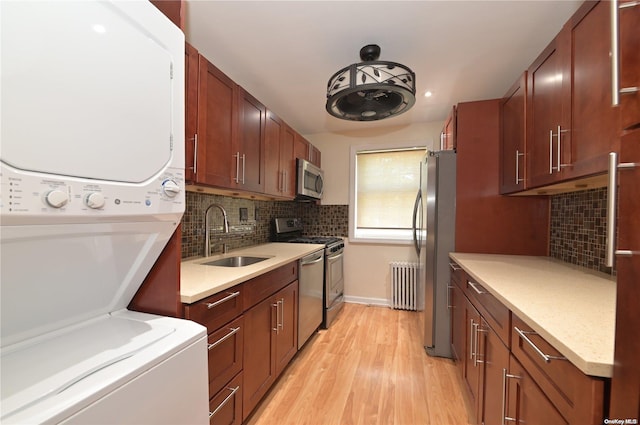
256, 227
578, 228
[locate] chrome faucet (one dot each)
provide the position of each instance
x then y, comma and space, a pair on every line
207, 228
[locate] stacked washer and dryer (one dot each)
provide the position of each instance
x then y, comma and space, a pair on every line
92, 188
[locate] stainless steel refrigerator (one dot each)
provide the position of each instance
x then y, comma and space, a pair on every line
434, 238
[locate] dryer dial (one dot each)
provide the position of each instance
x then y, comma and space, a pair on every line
94, 200
57, 198
170, 188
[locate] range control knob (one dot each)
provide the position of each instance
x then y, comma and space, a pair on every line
170, 188
57, 198
94, 200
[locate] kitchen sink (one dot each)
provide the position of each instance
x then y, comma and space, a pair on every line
237, 261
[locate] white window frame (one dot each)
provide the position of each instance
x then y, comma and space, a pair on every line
375, 236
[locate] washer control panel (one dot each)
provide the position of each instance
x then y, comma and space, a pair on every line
28, 194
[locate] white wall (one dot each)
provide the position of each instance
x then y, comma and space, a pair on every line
367, 265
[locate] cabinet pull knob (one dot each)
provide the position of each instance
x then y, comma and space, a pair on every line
223, 300
225, 401
546, 357
224, 338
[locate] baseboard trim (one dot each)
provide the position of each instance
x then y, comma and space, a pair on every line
382, 302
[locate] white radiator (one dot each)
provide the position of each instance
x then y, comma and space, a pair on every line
404, 284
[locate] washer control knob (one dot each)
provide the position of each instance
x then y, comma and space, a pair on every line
57, 198
170, 188
94, 200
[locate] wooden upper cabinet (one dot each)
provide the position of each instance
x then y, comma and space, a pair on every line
190, 110
544, 98
591, 121
571, 126
315, 156
448, 139
629, 56
279, 162
512, 137
305, 150
249, 150
217, 126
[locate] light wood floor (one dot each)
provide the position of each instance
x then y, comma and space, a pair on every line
368, 368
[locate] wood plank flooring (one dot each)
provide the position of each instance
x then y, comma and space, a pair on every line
368, 368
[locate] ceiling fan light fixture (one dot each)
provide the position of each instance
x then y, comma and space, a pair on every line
371, 90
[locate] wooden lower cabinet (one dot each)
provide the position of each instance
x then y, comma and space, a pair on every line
493, 357
527, 402
470, 372
271, 337
225, 407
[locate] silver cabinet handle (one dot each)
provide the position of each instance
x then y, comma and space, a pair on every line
224, 338
277, 328
550, 151
506, 375
518, 155
475, 288
286, 186
547, 358
244, 163
195, 153
616, 91
559, 151
225, 299
455, 267
471, 335
237, 157
449, 288
281, 307
476, 359
612, 204
225, 401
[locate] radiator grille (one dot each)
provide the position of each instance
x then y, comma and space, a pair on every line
404, 283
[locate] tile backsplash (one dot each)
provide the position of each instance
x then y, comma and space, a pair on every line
318, 220
578, 228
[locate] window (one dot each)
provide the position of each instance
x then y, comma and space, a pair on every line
384, 185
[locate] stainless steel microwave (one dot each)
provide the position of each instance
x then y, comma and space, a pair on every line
309, 181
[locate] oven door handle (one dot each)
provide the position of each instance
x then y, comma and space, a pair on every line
335, 256
305, 262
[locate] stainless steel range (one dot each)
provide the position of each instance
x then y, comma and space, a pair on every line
290, 230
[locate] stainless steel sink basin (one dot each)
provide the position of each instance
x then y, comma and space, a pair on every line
237, 261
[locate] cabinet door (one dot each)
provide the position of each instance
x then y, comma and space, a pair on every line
314, 156
471, 372
217, 105
259, 363
512, 137
301, 147
274, 130
225, 408
457, 316
190, 110
251, 128
287, 334
288, 162
625, 385
544, 111
494, 357
593, 123
526, 401
629, 64
225, 348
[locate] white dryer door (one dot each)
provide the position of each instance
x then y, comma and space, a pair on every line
69, 106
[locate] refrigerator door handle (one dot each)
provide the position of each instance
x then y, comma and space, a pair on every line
416, 243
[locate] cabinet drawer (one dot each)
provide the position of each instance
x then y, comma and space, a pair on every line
577, 396
217, 309
458, 276
225, 354
497, 315
259, 288
225, 408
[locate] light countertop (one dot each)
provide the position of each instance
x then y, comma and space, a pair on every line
198, 281
572, 308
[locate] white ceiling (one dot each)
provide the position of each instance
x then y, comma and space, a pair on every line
283, 52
